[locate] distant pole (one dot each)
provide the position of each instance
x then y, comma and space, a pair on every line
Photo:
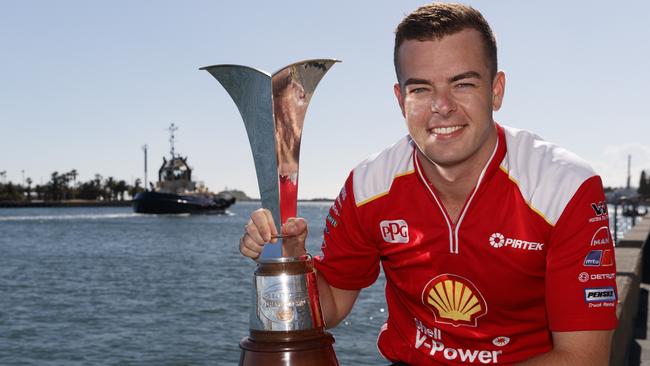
629, 162
23, 172
145, 147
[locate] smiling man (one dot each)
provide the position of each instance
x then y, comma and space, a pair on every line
491, 239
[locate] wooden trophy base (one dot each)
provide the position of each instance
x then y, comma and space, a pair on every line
292, 348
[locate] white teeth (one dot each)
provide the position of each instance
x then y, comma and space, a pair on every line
446, 130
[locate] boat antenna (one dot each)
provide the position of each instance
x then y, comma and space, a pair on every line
172, 129
144, 148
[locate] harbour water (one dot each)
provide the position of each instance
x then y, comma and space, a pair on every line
104, 286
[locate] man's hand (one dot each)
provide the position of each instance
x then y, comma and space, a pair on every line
335, 303
261, 230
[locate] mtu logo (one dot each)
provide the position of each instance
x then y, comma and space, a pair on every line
394, 231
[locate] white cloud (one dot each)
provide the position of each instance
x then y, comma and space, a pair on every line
612, 163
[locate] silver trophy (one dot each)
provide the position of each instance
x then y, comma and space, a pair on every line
286, 322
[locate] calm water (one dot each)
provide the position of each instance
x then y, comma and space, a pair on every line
103, 286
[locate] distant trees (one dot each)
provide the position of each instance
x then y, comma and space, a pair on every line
9, 192
29, 188
644, 185
64, 186
135, 188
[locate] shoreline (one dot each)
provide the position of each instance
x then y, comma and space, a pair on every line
125, 203
70, 203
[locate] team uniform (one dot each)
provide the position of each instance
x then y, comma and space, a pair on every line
531, 253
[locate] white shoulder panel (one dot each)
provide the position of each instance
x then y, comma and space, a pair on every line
547, 175
373, 177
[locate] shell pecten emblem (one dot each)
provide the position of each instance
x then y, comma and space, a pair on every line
454, 300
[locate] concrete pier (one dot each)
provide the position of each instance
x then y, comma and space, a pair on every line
631, 344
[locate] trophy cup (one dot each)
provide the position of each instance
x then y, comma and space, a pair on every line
286, 323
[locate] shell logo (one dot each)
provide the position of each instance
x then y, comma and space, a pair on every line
454, 300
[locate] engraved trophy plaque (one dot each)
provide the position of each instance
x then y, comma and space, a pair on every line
286, 323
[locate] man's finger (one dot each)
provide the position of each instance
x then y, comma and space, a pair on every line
295, 226
263, 224
251, 250
274, 230
253, 232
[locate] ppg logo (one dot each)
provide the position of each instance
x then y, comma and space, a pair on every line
394, 231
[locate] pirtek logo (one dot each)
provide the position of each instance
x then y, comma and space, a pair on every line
394, 231
498, 240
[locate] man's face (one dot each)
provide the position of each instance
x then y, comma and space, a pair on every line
447, 96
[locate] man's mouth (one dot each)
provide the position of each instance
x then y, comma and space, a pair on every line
446, 130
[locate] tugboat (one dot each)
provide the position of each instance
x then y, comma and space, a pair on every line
176, 193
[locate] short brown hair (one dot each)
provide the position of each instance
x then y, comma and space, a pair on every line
436, 20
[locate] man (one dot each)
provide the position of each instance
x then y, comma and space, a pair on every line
494, 243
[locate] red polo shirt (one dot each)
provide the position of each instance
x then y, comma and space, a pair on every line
530, 253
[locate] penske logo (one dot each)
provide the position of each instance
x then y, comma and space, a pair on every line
454, 300
498, 240
600, 294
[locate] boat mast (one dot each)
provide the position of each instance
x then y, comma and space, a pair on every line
144, 148
172, 129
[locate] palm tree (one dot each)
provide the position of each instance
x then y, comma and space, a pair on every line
135, 188
73, 174
109, 189
120, 188
39, 192
29, 188
54, 187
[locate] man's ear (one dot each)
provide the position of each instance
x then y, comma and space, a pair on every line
398, 94
498, 90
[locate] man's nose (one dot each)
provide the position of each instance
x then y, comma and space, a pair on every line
443, 103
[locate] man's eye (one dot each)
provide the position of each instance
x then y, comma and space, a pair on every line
464, 85
418, 90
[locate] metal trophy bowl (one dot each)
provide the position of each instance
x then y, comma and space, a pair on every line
286, 323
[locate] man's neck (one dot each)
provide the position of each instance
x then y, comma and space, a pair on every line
454, 183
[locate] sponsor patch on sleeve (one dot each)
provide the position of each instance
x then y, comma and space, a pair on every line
600, 294
593, 258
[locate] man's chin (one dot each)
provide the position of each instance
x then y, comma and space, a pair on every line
444, 160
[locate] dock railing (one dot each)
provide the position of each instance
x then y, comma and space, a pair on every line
630, 271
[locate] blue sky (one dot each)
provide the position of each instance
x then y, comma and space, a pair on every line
83, 85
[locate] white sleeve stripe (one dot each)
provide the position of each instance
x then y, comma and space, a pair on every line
547, 176
505, 170
374, 176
